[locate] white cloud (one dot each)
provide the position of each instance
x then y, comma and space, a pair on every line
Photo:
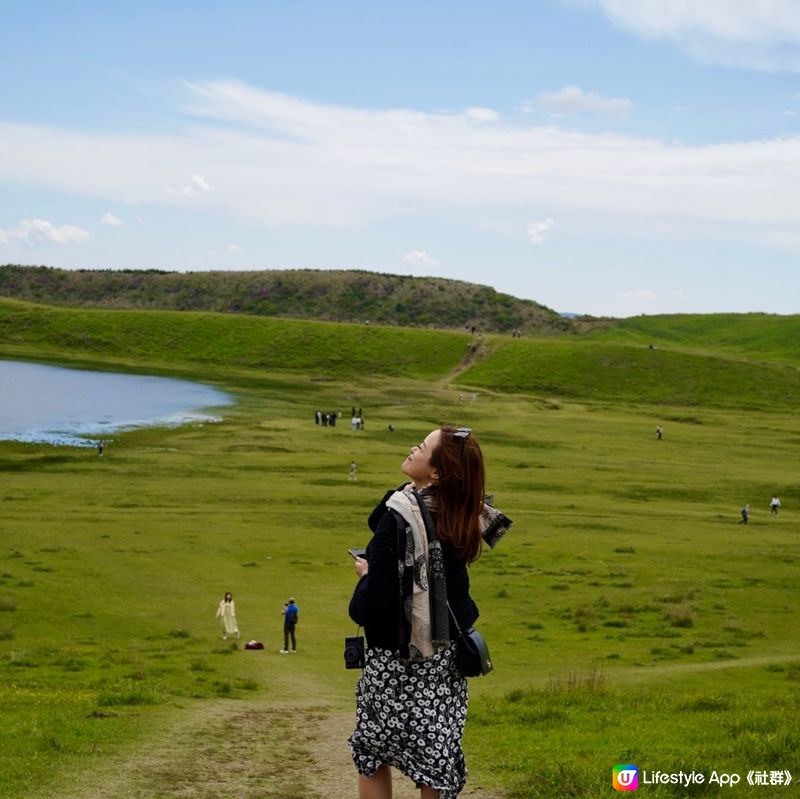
537, 230
235, 249
479, 114
420, 258
281, 162
36, 231
757, 34
197, 183
573, 100
637, 294
111, 221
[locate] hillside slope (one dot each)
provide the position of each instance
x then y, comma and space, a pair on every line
168, 338
339, 296
753, 335
578, 367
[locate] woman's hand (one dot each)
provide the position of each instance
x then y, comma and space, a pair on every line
362, 567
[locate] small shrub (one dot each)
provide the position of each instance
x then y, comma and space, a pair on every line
131, 696
7, 605
680, 615
179, 634
707, 704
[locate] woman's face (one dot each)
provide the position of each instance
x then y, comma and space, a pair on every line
418, 463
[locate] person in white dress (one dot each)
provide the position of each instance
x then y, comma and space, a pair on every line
227, 611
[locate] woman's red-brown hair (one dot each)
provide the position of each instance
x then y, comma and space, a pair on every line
460, 491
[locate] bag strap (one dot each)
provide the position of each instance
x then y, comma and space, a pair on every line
455, 620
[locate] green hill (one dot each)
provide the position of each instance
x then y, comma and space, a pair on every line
589, 369
339, 296
753, 335
615, 365
169, 338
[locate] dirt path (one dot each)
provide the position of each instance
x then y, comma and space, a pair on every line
228, 749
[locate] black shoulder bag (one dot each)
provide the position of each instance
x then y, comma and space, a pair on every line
472, 652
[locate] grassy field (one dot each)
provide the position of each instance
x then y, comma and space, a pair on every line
631, 619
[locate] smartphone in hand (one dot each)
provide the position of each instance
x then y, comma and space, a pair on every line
357, 553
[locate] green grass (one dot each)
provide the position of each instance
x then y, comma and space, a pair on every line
629, 617
756, 336
320, 349
334, 295
586, 367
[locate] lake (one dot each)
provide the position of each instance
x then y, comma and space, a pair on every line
54, 405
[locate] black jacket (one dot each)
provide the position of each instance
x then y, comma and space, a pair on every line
376, 600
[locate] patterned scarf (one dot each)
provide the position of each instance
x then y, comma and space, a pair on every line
425, 607
425, 593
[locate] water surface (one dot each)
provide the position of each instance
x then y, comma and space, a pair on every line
54, 405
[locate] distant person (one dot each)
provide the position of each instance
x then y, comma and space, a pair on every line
324, 419
317, 417
290, 615
774, 504
352, 475
745, 514
100, 447
659, 432
332, 419
227, 612
391, 428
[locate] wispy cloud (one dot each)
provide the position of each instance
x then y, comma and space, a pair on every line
420, 258
538, 230
111, 221
277, 161
235, 249
637, 294
757, 34
36, 231
197, 184
574, 100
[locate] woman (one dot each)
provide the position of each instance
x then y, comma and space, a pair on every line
227, 610
411, 698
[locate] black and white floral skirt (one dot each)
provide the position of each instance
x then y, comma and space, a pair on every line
411, 716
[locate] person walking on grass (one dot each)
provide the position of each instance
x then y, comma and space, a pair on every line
745, 514
411, 699
227, 612
774, 504
290, 615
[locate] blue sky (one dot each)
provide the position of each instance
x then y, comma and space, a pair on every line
611, 157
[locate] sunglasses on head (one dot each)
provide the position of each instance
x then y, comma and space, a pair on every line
462, 432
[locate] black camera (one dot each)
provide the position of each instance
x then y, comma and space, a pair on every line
354, 652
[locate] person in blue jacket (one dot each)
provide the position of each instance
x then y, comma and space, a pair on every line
290, 614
